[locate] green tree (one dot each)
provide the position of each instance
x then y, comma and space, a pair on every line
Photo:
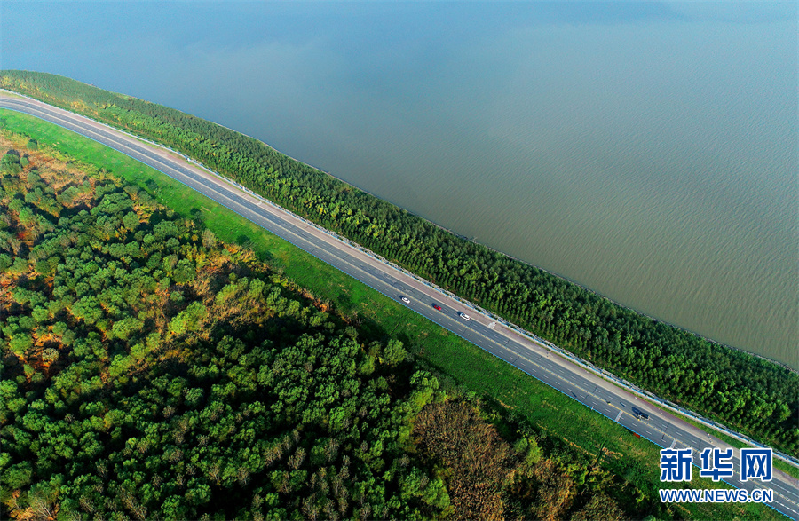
10, 163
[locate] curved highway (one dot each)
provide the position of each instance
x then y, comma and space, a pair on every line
532, 357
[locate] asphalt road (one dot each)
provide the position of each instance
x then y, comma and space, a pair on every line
572, 379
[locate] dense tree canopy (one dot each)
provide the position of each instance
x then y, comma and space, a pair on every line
146, 373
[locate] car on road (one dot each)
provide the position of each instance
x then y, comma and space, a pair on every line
405, 299
436, 307
640, 414
464, 316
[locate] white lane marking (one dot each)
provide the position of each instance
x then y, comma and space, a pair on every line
215, 189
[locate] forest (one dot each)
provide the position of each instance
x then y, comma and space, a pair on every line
750, 394
151, 371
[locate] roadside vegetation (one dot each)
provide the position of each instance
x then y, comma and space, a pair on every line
149, 369
115, 407
752, 395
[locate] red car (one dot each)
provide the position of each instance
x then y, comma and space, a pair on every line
436, 306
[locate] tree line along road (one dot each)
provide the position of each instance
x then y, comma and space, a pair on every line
530, 356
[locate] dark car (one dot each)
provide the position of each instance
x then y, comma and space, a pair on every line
641, 414
436, 306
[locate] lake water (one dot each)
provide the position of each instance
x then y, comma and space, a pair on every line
645, 150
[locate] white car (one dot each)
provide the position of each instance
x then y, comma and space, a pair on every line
464, 316
405, 299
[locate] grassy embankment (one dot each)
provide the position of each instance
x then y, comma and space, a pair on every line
587, 432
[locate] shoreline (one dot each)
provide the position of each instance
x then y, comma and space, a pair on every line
566, 354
